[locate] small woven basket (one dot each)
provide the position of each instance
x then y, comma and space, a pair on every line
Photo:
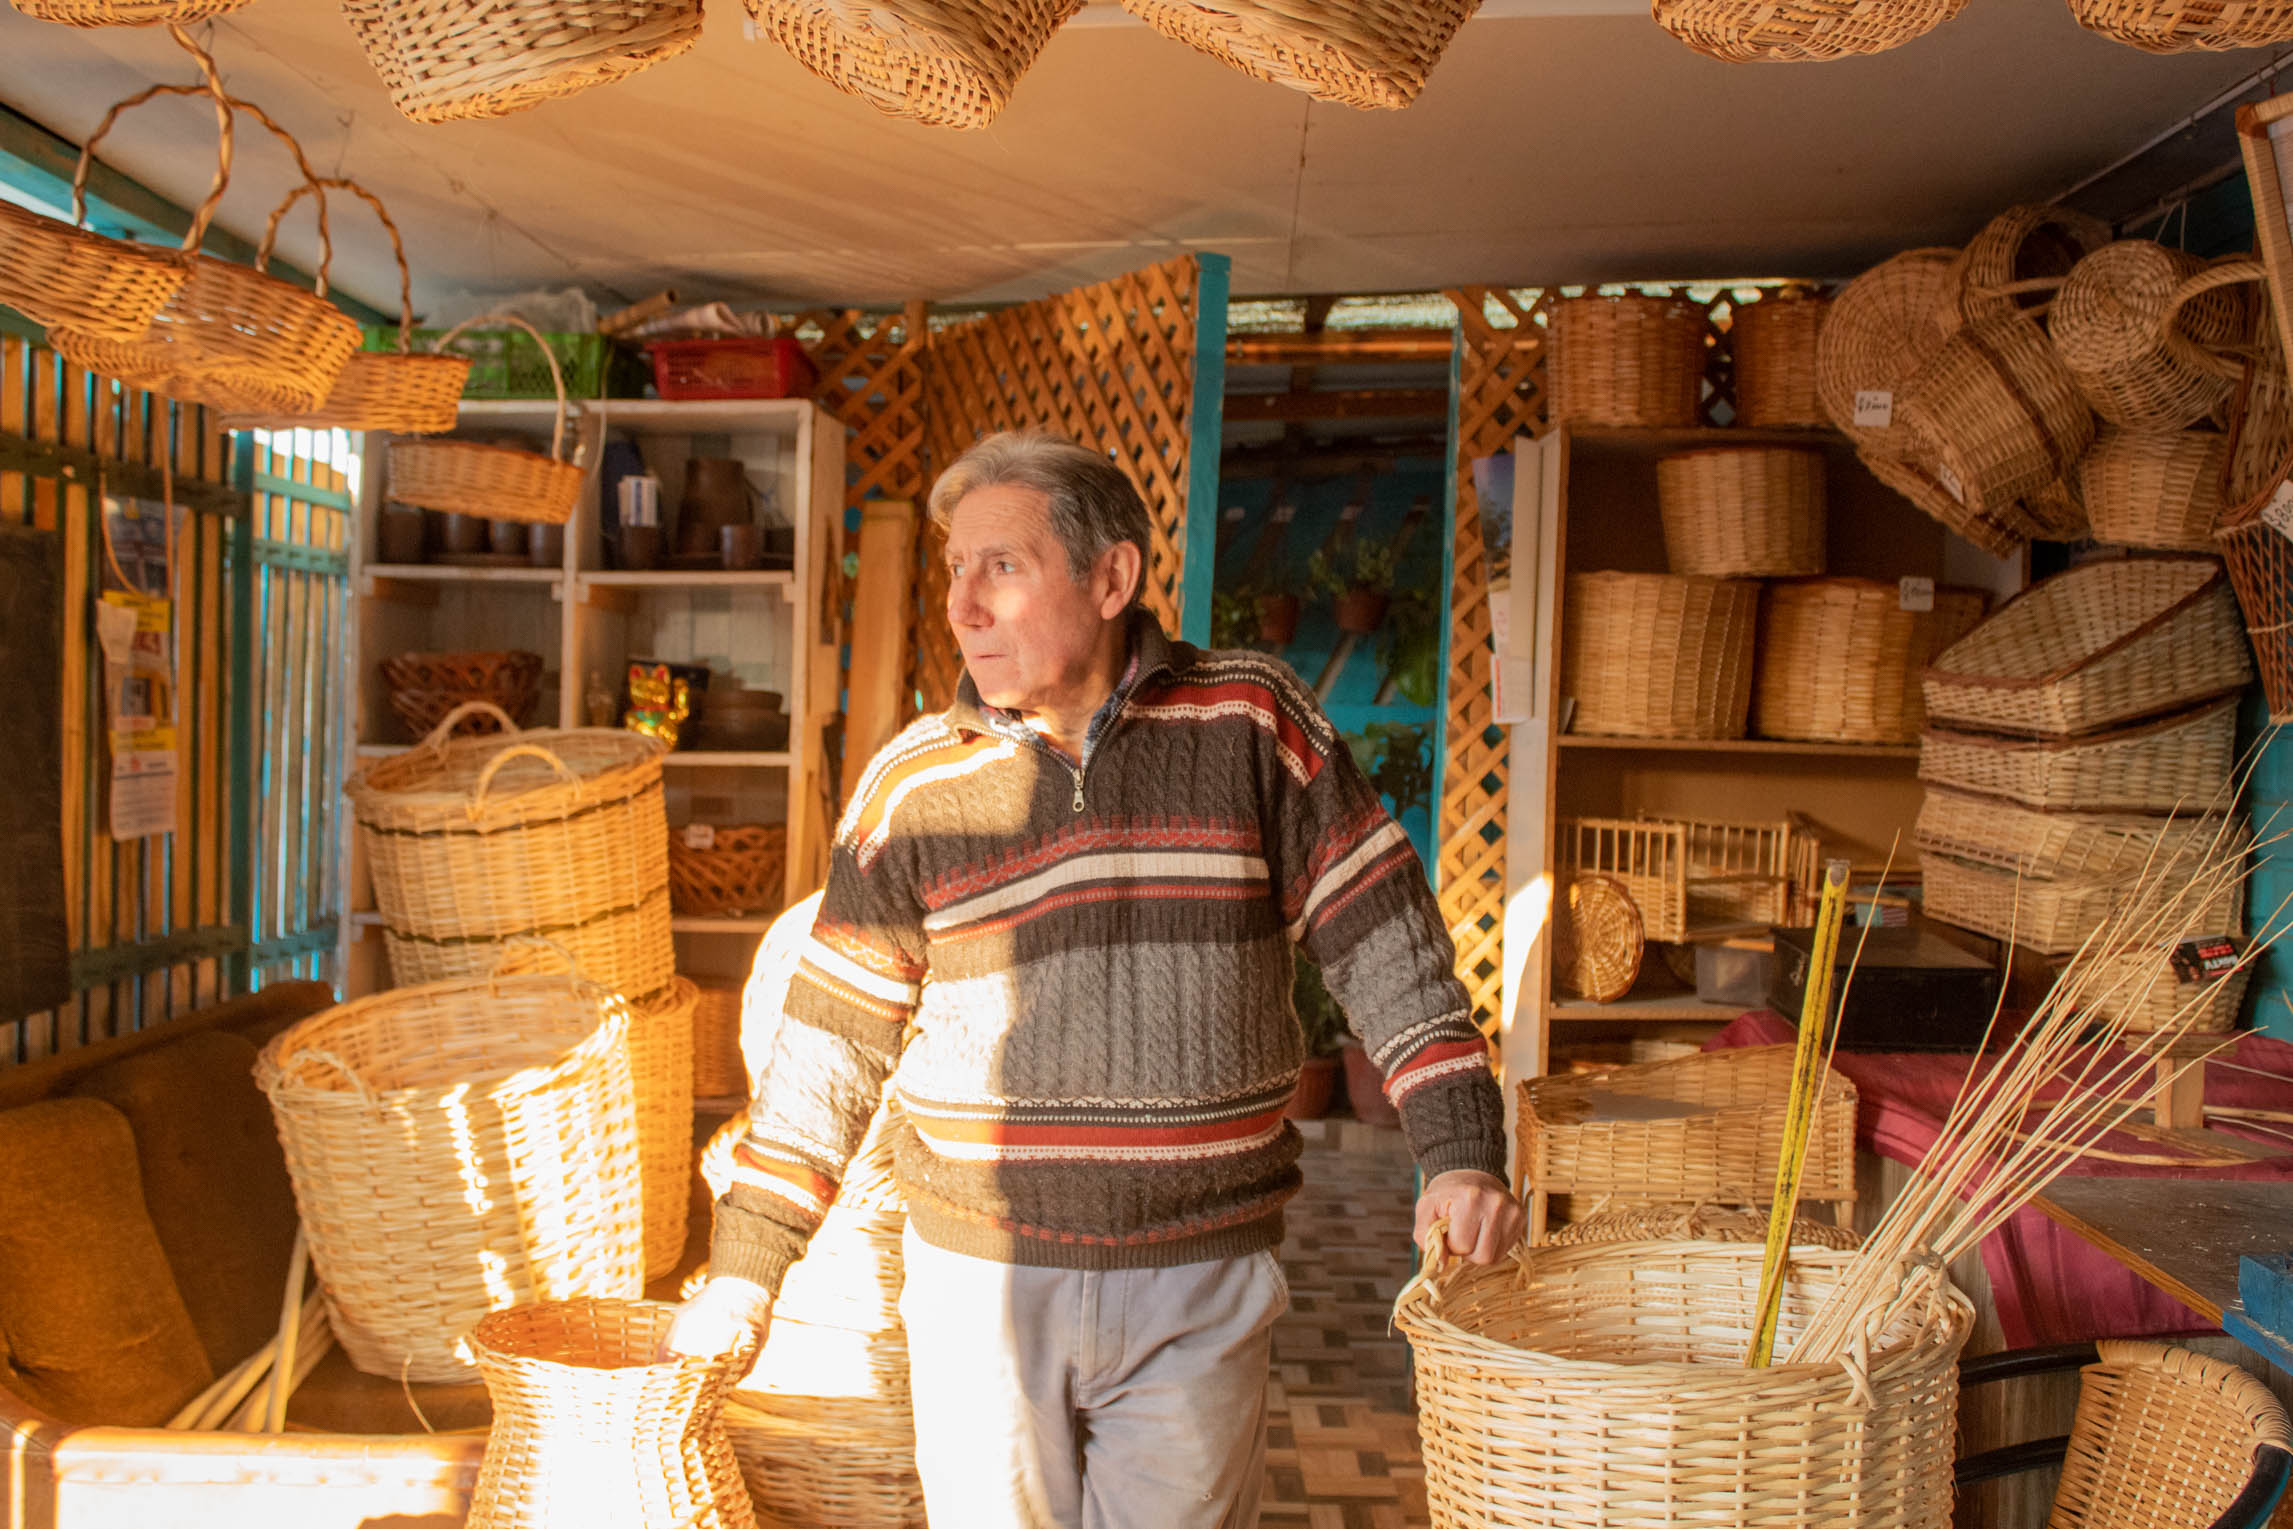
1839, 659
458, 1147
1761, 31
2178, 26
2180, 763
1773, 342
1882, 327
496, 482
1706, 1222
1987, 830
718, 1070
1742, 510
2158, 489
2053, 918
1598, 940
1362, 53
1994, 415
591, 1427
1659, 655
2015, 261
443, 63
949, 63
426, 687
1631, 360
2161, 999
740, 871
2103, 644
2109, 324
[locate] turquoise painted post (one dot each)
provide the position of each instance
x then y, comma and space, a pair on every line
1445, 616
1206, 420
2269, 804
240, 753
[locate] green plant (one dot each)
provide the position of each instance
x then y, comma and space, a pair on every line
1393, 757
1357, 565
1410, 656
1234, 616
1319, 1016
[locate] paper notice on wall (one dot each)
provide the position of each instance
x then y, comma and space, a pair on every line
135, 633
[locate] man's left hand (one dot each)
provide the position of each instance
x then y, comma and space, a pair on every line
1484, 1218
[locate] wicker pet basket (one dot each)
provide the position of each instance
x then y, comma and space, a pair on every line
1993, 413
718, 1070
2016, 260
1598, 939
2053, 918
474, 842
1773, 342
1882, 327
1603, 1387
455, 1148
1705, 1222
1742, 510
1690, 874
1991, 831
1632, 360
2176, 26
1759, 31
2150, 488
425, 687
740, 870
443, 62
1657, 655
1839, 659
2102, 644
2163, 999
1362, 53
2109, 325
2183, 762
497, 482
591, 1426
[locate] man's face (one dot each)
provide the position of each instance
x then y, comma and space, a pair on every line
1028, 629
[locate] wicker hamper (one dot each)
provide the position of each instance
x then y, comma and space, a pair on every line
1603, 1387
1629, 360
455, 1148
1687, 874
661, 1070
1655, 655
1839, 659
1730, 511
1772, 343
1747, 31
718, 1071
2183, 762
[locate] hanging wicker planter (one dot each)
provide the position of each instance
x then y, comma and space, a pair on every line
496, 482
949, 63
2187, 26
2015, 260
1773, 342
1363, 53
1800, 31
1994, 414
1881, 328
444, 62
2110, 323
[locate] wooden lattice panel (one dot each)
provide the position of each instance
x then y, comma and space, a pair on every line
1111, 366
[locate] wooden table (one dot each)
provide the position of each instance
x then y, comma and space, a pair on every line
2184, 1236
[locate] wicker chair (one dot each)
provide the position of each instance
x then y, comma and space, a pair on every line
2164, 1439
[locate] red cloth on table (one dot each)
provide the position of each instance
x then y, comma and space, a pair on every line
2049, 1284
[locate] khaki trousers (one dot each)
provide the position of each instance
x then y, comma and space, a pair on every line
1061, 1399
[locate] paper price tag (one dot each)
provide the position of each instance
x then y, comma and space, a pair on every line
1949, 479
2278, 512
1285, 512
700, 836
1915, 594
1874, 408
1233, 512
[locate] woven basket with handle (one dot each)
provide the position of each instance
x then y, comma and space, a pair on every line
1659, 655
497, 482
442, 62
1882, 327
1773, 342
2179, 763
2015, 261
1629, 360
2109, 324
2154, 488
950, 63
1747, 31
1994, 414
1361, 53
1742, 510
1839, 659
126, 13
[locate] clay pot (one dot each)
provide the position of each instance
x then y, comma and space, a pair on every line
1365, 1089
640, 547
1317, 1086
1278, 617
464, 535
506, 537
400, 535
716, 496
545, 545
741, 548
1361, 611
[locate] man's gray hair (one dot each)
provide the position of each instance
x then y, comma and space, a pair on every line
1093, 505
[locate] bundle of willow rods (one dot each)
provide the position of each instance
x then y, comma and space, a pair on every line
2001, 1145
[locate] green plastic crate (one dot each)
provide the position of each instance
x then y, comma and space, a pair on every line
506, 363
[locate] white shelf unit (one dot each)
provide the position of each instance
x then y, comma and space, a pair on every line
767, 629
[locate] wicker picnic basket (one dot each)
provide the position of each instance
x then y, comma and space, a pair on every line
1630, 360
591, 1426
1598, 939
1659, 655
1773, 342
1706, 1221
739, 869
1882, 327
1363, 53
1686, 874
2151, 996
2177, 26
474, 842
1992, 831
443, 62
1839, 659
1993, 413
458, 1147
2053, 917
2154, 488
1742, 510
2182, 762
1748, 31
2102, 644
950, 63
2016, 261
497, 482
718, 1070
2109, 325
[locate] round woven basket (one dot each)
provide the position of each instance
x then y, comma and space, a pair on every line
125, 13
1839, 659
1994, 414
67, 277
1742, 510
1705, 1222
496, 482
2177, 26
2016, 261
1598, 940
2154, 488
458, 1147
1773, 342
590, 1427
476, 842
442, 62
1363, 53
425, 687
1881, 329
740, 871
1747, 31
1574, 1387
2109, 326
1631, 360
1658, 655
950, 63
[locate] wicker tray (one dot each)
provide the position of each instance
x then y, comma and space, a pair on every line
2100, 645
1773, 344
2159, 489
1988, 830
1742, 510
661, 1070
1839, 659
2053, 918
1629, 360
1653, 655
2179, 763
1689, 876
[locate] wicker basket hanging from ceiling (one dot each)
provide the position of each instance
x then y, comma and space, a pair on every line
126, 13
1881, 327
2178, 26
498, 482
2015, 260
2110, 325
1994, 414
1800, 31
376, 390
1773, 344
2001, 532
2162, 489
1364, 53
444, 62
949, 63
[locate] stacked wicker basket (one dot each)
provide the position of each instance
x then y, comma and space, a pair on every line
2083, 732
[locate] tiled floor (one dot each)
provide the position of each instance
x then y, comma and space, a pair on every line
1341, 1434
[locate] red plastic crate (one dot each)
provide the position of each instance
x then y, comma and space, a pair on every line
741, 368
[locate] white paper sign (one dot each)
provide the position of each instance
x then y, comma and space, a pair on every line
1915, 594
2278, 512
700, 836
1874, 408
1949, 479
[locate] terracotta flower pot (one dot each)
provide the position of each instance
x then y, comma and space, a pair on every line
1365, 1089
1361, 611
1317, 1086
1277, 618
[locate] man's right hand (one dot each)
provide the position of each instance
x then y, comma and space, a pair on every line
723, 1314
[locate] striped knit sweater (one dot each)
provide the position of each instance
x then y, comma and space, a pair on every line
1082, 975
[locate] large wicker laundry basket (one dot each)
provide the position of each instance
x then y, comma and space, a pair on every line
1603, 1387
2110, 325
456, 1148
476, 842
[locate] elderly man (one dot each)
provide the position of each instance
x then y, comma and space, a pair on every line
1064, 909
